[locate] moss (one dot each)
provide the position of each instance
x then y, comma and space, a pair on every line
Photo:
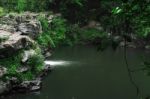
27, 76
11, 63
36, 62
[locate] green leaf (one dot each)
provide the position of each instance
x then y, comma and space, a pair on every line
116, 10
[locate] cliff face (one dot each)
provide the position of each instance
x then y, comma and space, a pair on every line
21, 59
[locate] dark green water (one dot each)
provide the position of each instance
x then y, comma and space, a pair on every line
90, 74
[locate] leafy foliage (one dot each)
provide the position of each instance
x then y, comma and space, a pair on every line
1, 11
53, 32
13, 63
21, 5
36, 62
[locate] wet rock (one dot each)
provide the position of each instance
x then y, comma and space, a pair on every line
35, 88
33, 85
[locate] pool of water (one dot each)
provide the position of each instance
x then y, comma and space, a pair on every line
82, 72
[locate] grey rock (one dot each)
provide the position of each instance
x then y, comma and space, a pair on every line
23, 69
31, 28
47, 54
28, 54
35, 88
33, 85
3, 71
14, 42
8, 28
4, 86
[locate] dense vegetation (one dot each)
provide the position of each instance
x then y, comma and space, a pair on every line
132, 18
99, 22
92, 21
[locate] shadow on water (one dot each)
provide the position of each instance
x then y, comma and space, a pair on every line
82, 72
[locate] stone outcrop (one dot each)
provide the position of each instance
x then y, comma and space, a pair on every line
13, 42
26, 24
17, 33
30, 28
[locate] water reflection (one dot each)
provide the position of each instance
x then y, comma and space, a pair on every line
86, 73
55, 63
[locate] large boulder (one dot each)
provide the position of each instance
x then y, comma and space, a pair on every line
12, 42
31, 28
26, 23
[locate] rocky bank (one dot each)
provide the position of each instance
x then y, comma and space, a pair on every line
17, 37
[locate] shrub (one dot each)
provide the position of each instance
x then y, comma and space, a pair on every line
53, 33
36, 62
1, 11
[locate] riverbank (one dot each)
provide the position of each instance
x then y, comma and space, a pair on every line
82, 69
21, 57
26, 39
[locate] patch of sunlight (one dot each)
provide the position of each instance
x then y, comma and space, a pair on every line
58, 63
